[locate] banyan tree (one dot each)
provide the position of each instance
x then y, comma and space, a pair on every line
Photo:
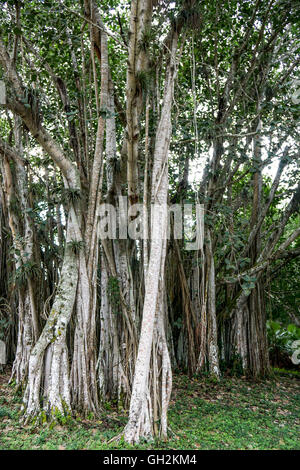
127, 130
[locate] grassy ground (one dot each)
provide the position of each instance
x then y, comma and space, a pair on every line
233, 414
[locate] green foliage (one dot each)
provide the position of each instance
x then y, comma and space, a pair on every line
71, 195
144, 79
26, 270
147, 38
248, 283
5, 412
63, 418
76, 246
283, 298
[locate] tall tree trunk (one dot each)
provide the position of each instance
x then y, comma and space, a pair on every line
249, 321
22, 229
141, 417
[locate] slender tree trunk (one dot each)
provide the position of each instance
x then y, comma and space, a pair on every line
141, 418
249, 320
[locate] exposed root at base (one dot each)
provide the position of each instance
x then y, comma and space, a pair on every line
116, 438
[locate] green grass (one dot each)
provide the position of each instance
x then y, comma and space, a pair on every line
232, 414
